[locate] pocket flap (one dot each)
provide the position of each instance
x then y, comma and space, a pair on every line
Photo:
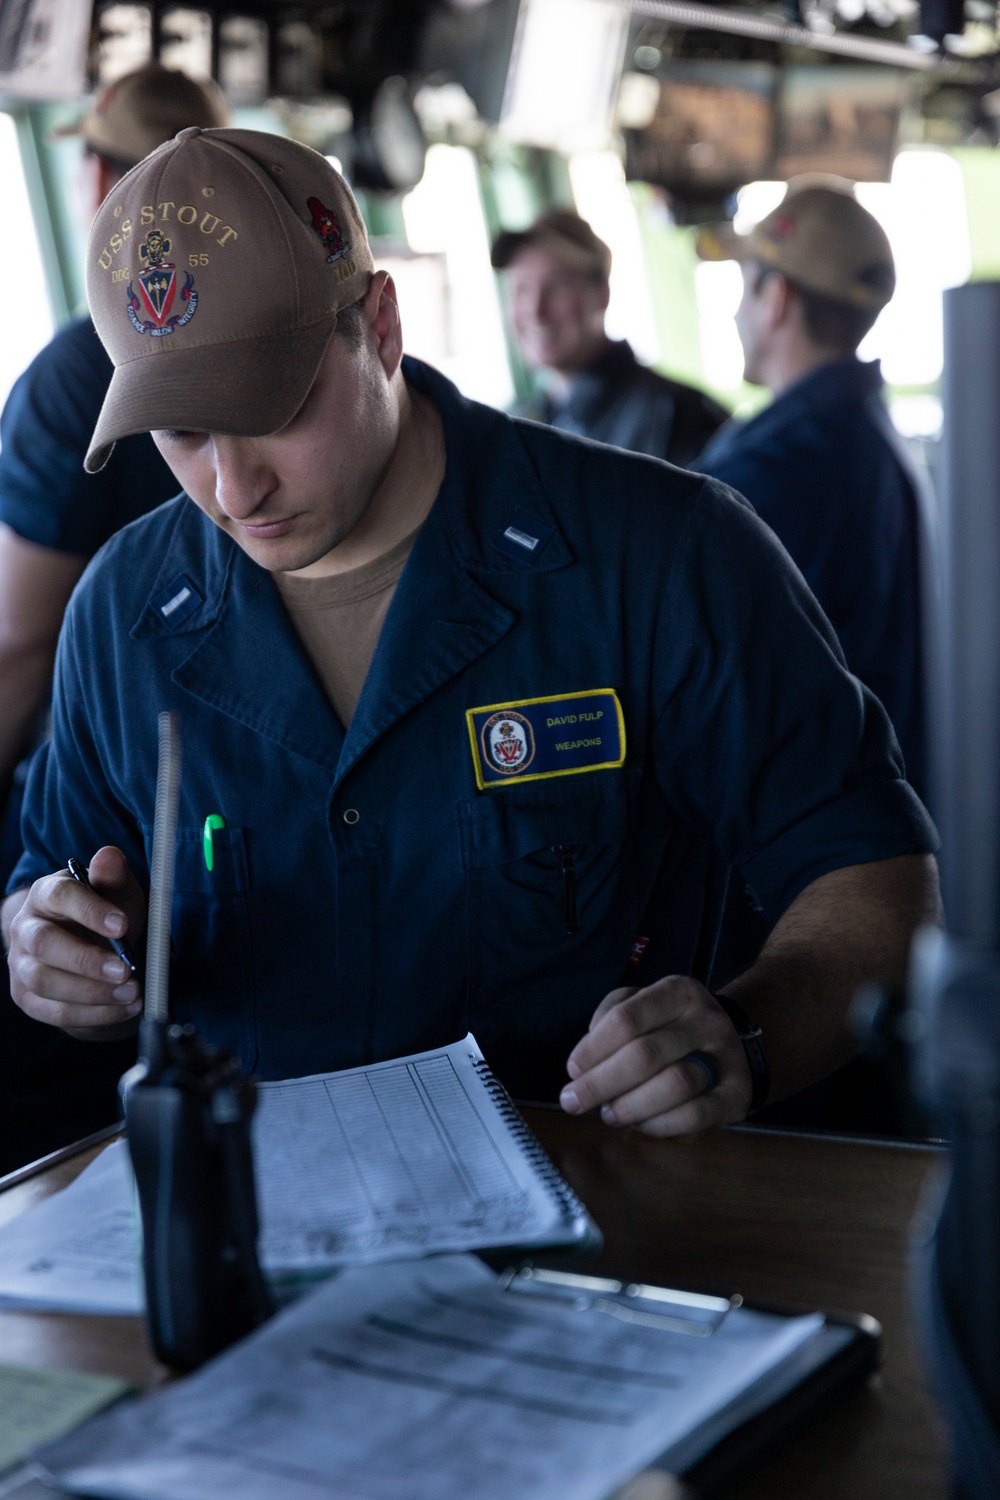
229, 875
507, 825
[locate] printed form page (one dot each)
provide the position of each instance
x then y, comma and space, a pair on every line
78, 1251
399, 1159
425, 1380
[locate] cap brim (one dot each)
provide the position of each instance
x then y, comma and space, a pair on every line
247, 388
67, 132
721, 242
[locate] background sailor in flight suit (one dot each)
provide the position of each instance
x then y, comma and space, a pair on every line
373, 585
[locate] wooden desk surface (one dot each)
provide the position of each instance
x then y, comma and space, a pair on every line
783, 1219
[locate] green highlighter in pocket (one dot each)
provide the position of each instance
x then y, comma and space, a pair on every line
212, 823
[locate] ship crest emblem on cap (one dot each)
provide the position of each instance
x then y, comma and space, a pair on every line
158, 291
328, 229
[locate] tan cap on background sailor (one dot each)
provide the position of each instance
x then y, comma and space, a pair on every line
220, 259
821, 238
139, 111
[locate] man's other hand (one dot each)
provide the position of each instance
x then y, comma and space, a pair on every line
62, 969
635, 1062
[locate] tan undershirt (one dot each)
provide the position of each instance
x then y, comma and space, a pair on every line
339, 619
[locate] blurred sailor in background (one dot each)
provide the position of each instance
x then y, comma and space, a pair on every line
823, 465
557, 283
53, 517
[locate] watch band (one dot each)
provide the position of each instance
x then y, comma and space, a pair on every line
754, 1050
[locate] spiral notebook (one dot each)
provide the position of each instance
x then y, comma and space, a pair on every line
406, 1158
411, 1157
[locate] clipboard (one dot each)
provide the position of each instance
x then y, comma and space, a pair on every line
847, 1351
426, 1356
721, 1450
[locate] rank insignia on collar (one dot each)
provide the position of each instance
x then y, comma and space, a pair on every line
177, 602
328, 230
158, 289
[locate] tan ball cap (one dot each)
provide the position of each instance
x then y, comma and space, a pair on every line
821, 238
215, 272
139, 111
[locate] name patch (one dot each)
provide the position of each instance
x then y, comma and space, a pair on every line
542, 737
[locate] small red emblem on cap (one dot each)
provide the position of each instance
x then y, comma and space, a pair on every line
328, 230
783, 227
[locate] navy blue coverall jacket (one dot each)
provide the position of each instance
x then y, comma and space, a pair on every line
824, 468
369, 897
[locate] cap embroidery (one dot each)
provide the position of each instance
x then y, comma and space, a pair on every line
328, 230
157, 289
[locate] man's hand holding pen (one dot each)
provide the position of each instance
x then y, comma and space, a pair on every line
62, 967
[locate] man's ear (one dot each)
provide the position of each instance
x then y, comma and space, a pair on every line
782, 303
381, 308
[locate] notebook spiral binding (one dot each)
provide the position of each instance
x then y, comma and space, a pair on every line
569, 1204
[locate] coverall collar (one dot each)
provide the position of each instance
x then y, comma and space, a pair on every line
848, 379
491, 518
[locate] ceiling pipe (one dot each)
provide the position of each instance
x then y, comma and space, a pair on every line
700, 17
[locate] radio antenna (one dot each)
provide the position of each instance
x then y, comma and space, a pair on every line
161, 892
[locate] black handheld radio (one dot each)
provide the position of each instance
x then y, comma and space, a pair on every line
187, 1113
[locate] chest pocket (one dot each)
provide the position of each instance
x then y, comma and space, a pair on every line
211, 932
229, 875
550, 876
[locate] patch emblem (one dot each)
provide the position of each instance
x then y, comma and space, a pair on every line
508, 743
157, 291
537, 738
328, 230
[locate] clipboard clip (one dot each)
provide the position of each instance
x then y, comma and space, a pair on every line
646, 1306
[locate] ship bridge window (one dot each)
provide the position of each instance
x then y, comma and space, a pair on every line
28, 319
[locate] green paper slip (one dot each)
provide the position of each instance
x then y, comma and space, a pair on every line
39, 1405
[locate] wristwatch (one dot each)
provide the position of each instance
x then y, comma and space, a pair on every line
752, 1038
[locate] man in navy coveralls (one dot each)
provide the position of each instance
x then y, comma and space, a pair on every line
474, 746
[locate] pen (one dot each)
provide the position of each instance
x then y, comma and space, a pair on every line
79, 874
